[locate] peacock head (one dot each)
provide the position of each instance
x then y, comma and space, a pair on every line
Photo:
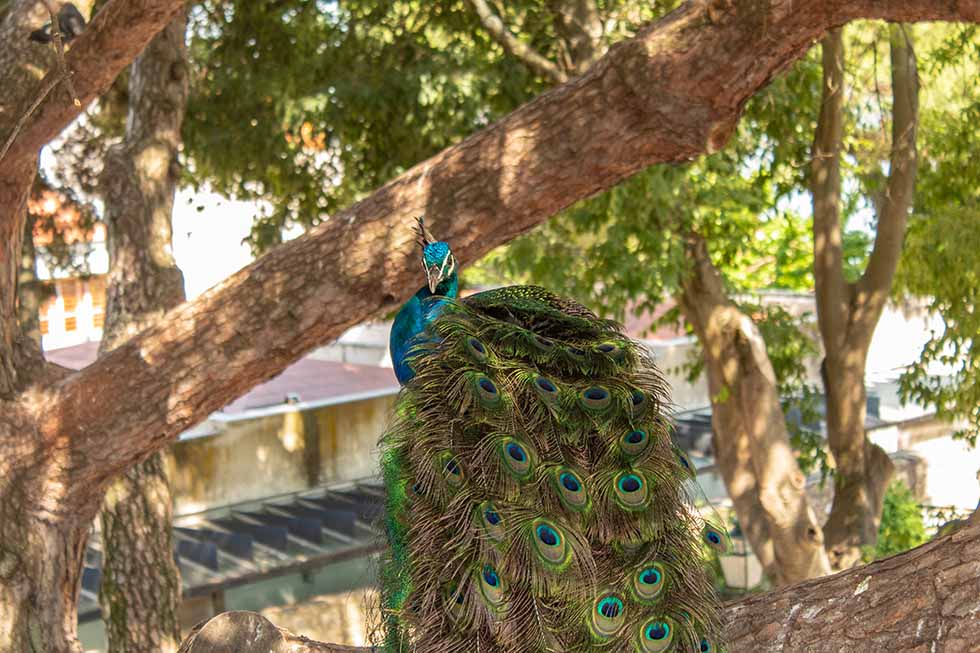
437, 259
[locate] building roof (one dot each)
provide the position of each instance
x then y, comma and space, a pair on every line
640, 324
307, 383
248, 542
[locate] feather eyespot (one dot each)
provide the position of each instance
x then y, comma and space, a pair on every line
452, 472
656, 635
492, 522
595, 399
649, 582
612, 350
550, 544
608, 616
638, 402
546, 389
687, 466
455, 598
476, 349
517, 457
577, 353
486, 391
571, 489
634, 443
491, 586
716, 539
631, 491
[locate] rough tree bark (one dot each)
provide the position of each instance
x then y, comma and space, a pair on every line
140, 591
848, 312
41, 541
871, 608
112, 40
22, 64
669, 94
750, 438
29, 293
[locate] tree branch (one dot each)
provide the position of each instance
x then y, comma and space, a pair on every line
581, 28
875, 284
923, 600
751, 440
649, 100
514, 46
832, 291
111, 41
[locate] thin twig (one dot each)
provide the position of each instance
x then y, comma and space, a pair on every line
49, 85
64, 75
59, 52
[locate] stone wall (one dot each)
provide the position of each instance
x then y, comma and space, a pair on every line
253, 459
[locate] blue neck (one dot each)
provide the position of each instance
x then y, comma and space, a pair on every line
412, 319
446, 288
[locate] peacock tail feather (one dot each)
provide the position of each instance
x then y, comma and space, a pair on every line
535, 501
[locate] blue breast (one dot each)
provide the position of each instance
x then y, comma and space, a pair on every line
408, 330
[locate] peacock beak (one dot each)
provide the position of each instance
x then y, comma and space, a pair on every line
434, 275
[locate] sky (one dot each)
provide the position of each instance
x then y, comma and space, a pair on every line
208, 242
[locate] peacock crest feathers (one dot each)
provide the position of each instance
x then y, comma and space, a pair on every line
535, 501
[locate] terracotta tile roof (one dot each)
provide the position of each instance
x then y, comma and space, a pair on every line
638, 324
308, 380
74, 358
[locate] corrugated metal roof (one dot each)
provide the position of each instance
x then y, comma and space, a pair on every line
241, 544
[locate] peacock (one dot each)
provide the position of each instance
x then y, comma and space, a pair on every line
535, 502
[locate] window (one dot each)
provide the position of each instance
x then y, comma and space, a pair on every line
96, 290
69, 295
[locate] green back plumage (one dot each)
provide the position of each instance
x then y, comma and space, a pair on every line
535, 501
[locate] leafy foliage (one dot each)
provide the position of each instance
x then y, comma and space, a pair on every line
307, 105
940, 262
902, 527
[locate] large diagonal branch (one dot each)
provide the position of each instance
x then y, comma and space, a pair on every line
669, 94
873, 288
514, 46
831, 289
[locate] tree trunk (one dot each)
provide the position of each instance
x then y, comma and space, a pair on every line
30, 293
42, 541
751, 440
862, 469
140, 592
848, 312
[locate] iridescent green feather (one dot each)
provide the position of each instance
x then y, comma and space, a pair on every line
535, 501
